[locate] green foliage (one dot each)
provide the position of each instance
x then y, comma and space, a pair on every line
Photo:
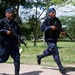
12, 2
54, 2
26, 30
69, 23
3, 6
29, 28
70, 2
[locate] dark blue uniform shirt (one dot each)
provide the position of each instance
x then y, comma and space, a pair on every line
46, 27
9, 39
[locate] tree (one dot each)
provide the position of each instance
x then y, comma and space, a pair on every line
35, 18
13, 4
68, 23
38, 3
29, 4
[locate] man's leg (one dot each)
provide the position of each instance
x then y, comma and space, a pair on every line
4, 58
39, 57
45, 53
17, 65
16, 56
17, 70
1, 61
4, 55
57, 60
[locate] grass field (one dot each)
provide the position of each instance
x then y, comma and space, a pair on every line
28, 56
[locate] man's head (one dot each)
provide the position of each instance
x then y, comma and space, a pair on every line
52, 12
9, 13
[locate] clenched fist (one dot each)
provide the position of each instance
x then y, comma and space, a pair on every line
53, 27
8, 32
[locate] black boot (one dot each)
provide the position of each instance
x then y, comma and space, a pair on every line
62, 70
39, 57
16, 71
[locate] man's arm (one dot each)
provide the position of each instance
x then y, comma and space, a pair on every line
62, 31
45, 26
2, 30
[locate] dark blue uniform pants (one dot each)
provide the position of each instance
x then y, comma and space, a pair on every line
13, 51
52, 50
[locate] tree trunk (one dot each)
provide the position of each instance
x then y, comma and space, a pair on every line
35, 32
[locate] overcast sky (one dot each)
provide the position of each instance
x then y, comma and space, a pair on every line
67, 10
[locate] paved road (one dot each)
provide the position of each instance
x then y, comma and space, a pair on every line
8, 69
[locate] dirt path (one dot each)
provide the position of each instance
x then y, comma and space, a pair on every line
8, 69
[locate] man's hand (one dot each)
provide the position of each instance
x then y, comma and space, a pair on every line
8, 32
54, 27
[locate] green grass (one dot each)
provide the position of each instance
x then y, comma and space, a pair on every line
28, 56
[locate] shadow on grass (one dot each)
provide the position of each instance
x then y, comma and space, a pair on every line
28, 73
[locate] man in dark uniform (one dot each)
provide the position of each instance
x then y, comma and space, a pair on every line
50, 27
9, 45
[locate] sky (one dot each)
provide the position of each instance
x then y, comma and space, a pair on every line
68, 10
